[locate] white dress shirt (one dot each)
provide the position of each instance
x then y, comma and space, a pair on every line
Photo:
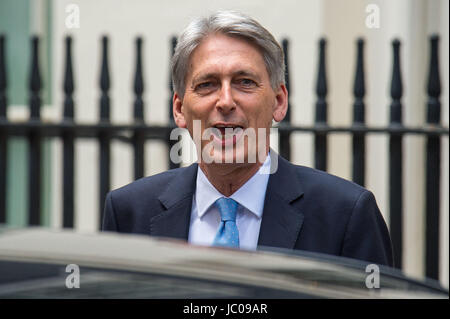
205, 217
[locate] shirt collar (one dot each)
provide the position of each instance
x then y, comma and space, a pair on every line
251, 195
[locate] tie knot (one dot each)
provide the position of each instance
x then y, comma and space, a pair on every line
227, 208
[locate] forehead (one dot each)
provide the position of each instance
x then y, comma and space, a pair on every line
223, 53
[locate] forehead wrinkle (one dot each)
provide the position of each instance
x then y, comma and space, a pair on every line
214, 61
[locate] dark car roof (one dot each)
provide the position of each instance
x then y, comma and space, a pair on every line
115, 255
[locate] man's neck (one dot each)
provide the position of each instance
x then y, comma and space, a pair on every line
228, 178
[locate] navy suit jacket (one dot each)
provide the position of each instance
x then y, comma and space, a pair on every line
304, 209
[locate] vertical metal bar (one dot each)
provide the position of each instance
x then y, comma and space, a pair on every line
173, 44
3, 136
359, 139
68, 141
104, 137
171, 120
320, 139
284, 137
3, 81
138, 140
396, 159
34, 139
433, 164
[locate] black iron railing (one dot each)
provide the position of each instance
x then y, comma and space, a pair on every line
34, 130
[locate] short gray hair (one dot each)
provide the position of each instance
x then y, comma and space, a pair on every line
233, 24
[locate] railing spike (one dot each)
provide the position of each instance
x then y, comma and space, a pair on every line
396, 84
138, 138
434, 84
321, 85
287, 79
68, 82
3, 81
359, 88
104, 82
173, 44
35, 80
138, 83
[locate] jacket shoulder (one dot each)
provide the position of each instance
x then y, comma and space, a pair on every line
130, 207
341, 218
314, 180
144, 193
147, 185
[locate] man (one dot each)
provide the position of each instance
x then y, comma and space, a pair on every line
228, 77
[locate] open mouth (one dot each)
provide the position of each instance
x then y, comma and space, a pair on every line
227, 134
228, 129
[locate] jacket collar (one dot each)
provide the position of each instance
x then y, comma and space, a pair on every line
176, 199
281, 221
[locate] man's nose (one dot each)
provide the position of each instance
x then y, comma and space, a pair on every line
226, 102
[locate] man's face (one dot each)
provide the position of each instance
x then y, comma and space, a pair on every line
227, 85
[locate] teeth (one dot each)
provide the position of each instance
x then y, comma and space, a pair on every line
223, 126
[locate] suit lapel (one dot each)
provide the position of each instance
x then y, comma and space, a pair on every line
176, 199
281, 221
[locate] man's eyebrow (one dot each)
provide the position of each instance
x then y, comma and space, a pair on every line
210, 75
202, 77
246, 73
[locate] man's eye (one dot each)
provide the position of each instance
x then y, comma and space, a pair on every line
204, 85
246, 82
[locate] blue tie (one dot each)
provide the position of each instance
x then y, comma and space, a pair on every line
227, 234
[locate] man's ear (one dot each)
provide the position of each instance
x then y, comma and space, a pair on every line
281, 104
178, 116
